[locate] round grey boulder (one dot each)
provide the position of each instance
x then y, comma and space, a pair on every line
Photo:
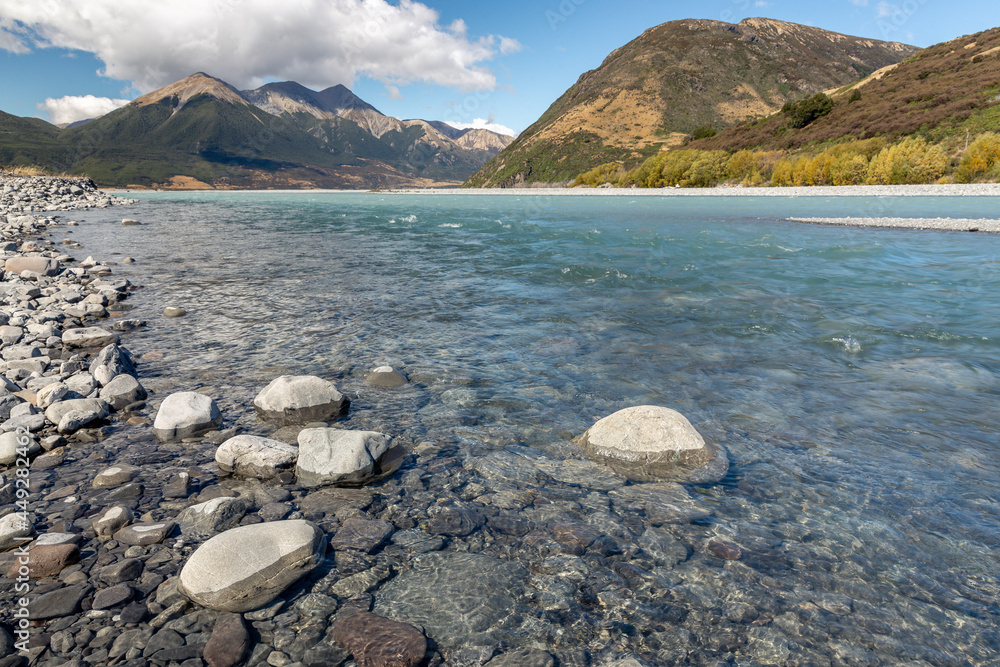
121, 391
254, 456
174, 311
185, 414
651, 443
300, 399
333, 456
247, 567
93, 409
385, 377
11, 442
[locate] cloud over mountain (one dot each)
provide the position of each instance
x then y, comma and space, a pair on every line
72, 108
248, 42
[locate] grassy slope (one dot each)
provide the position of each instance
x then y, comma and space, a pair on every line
941, 93
691, 73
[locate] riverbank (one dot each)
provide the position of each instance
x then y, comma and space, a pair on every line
820, 359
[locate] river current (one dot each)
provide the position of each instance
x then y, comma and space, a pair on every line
851, 373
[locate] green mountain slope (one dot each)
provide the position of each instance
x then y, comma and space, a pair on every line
280, 135
674, 79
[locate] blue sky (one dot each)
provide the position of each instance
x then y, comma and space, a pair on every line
461, 62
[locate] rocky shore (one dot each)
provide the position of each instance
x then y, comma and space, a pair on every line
145, 530
189, 527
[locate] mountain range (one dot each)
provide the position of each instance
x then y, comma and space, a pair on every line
679, 79
201, 132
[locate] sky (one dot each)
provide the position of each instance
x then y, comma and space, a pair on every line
483, 64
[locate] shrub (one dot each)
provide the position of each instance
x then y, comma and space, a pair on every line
609, 172
981, 161
909, 161
703, 132
803, 112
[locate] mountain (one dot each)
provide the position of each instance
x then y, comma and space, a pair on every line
932, 118
948, 90
678, 78
202, 130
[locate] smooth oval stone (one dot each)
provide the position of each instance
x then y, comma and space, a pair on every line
173, 311
652, 443
247, 567
300, 399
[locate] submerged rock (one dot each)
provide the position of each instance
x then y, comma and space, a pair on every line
247, 567
651, 443
300, 399
385, 377
374, 640
459, 598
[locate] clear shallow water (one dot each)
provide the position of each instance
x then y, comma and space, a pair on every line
851, 373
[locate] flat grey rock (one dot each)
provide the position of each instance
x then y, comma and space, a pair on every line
247, 567
144, 534
255, 456
58, 603
211, 517
88, 337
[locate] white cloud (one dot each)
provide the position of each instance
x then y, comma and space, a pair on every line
860, 3
72, 108
8, 40
318, 43
508, 46
484, 124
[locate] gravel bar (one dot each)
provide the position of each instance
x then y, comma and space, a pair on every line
942, 224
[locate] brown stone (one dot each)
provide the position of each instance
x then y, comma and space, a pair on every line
228, 643
574, 537
361, 534
379, 642
47, 560
725, 550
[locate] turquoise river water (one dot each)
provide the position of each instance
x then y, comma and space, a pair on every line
852, 375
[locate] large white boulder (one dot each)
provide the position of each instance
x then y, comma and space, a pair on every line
651, 443
245, 568
254, 456
300, 399
185, 414
335, 456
